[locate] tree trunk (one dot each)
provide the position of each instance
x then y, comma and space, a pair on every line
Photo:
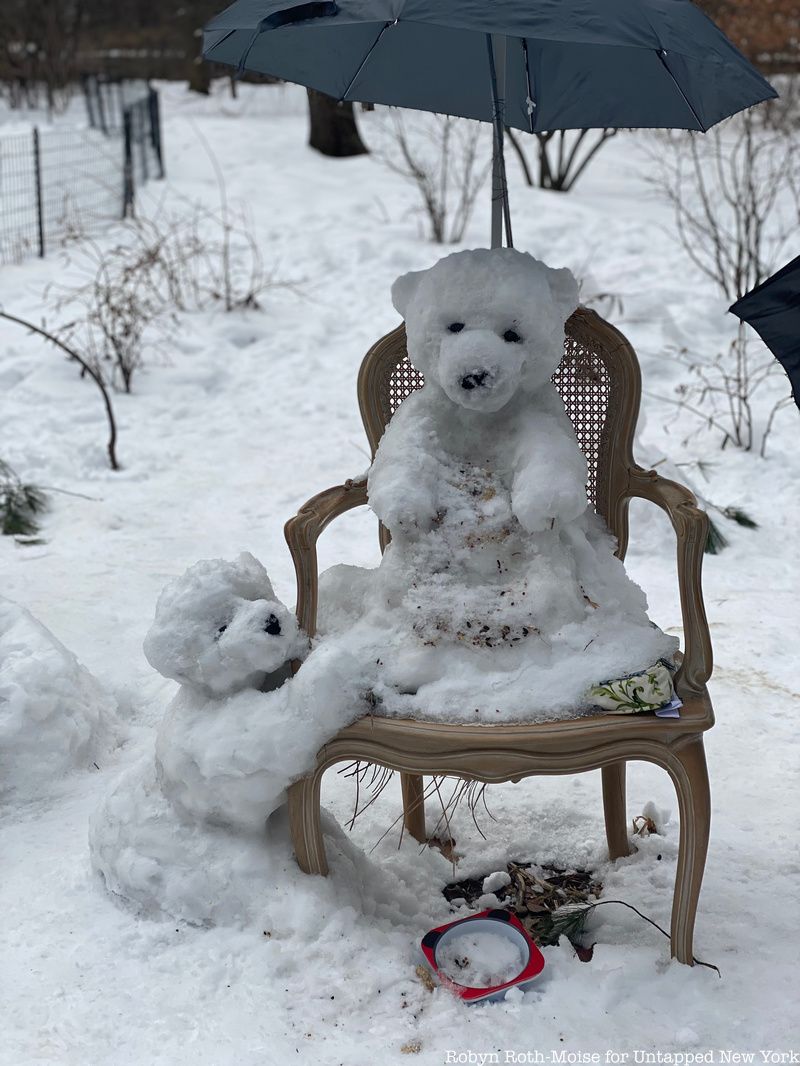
199, 75
333, 126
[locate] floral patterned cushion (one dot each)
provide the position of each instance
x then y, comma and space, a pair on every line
648, 691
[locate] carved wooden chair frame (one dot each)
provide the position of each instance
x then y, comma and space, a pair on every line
600, 384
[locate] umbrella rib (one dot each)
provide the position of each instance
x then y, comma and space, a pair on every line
222, 40
372, 48
662, 55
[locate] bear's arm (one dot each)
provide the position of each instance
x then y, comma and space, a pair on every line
549, 474
403, 480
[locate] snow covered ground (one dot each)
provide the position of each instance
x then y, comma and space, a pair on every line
227, 432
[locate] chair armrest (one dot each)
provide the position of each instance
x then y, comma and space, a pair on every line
302, 533
691, 529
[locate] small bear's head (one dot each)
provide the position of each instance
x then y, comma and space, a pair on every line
484, 324
219, 627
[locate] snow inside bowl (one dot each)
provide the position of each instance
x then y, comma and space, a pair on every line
482, 956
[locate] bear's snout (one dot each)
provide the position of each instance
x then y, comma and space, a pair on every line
475, 380
272, 626
478, 370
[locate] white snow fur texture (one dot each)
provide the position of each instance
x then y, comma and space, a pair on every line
182, 831
219, 627
54, 716
500, 597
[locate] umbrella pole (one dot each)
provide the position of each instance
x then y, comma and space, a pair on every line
501, 212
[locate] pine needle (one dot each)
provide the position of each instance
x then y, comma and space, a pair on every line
740, 517
715, 541
20, 504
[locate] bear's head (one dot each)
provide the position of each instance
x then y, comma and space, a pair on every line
486, 323
219, 627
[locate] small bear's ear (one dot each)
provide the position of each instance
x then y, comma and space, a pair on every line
564, 289
404, 288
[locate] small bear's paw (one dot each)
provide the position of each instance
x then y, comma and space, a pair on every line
405, 516
540, 507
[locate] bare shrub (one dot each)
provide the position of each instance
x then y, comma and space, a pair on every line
562, 156
736, 196
157, 267
724, 393
439, 154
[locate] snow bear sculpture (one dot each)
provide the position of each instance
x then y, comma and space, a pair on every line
182, 830
500, 595
221, 632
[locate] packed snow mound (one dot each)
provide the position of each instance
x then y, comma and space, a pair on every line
158, 864
220, 628
158, 861
54, 716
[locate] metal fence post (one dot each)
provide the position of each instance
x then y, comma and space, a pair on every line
37, 169
87, 96
154, 108
141, 138
127, 166
101, 107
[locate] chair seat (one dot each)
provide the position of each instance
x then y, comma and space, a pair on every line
510, 751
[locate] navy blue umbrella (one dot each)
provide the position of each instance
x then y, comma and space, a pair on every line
534, 65
773, 310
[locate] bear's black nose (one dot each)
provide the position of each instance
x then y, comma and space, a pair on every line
272, 626
474, 380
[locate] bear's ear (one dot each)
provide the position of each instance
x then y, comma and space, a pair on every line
404, 288
564, 289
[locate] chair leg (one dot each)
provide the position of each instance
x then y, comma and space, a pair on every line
414, 805
615, 811
305, 826
690, 777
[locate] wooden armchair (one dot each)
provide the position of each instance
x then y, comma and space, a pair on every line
600, 384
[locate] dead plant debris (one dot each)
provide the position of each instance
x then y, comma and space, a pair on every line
549, 902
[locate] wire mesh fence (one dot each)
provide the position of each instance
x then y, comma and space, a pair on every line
58, 184
107, 99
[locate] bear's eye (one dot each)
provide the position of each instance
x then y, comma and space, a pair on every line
512, 336
221, 630
456, 327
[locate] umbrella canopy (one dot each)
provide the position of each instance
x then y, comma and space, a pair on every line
534, 65
571, 64
773, 310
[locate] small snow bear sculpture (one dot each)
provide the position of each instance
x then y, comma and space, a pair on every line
219, 628
482, 484
221, 632
189, 832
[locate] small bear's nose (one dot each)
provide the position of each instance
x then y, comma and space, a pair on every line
474, 380
272, 626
